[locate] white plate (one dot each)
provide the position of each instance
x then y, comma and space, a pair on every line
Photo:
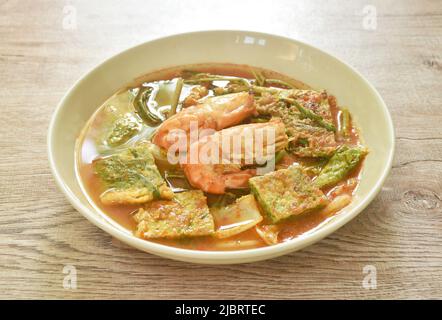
287, 56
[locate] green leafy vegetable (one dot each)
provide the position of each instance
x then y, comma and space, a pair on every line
206, 77
260, 80
141, 106
303, 142
123, 129
339, 166
279, 155
315, 167
131, 177
260, 119
306, 113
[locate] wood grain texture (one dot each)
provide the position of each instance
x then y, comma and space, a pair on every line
400, 232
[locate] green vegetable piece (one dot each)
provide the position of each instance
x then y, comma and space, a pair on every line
123, 129
260, 80
260, 119
339, 166
230, 88
176, 96
131, 177
306, 120
345, 123
217, 78
285, 193
142, 109
303, 142
279, 155
187, 215
279, 83
306, 113
314, 168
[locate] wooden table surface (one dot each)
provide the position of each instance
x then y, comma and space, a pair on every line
47, 45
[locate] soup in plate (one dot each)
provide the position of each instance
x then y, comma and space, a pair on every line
219, 157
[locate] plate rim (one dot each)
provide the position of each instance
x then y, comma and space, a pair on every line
221, 257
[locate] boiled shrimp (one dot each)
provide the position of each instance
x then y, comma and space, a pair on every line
219, 167
211, 113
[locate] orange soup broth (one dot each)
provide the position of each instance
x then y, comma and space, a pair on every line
122, 214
